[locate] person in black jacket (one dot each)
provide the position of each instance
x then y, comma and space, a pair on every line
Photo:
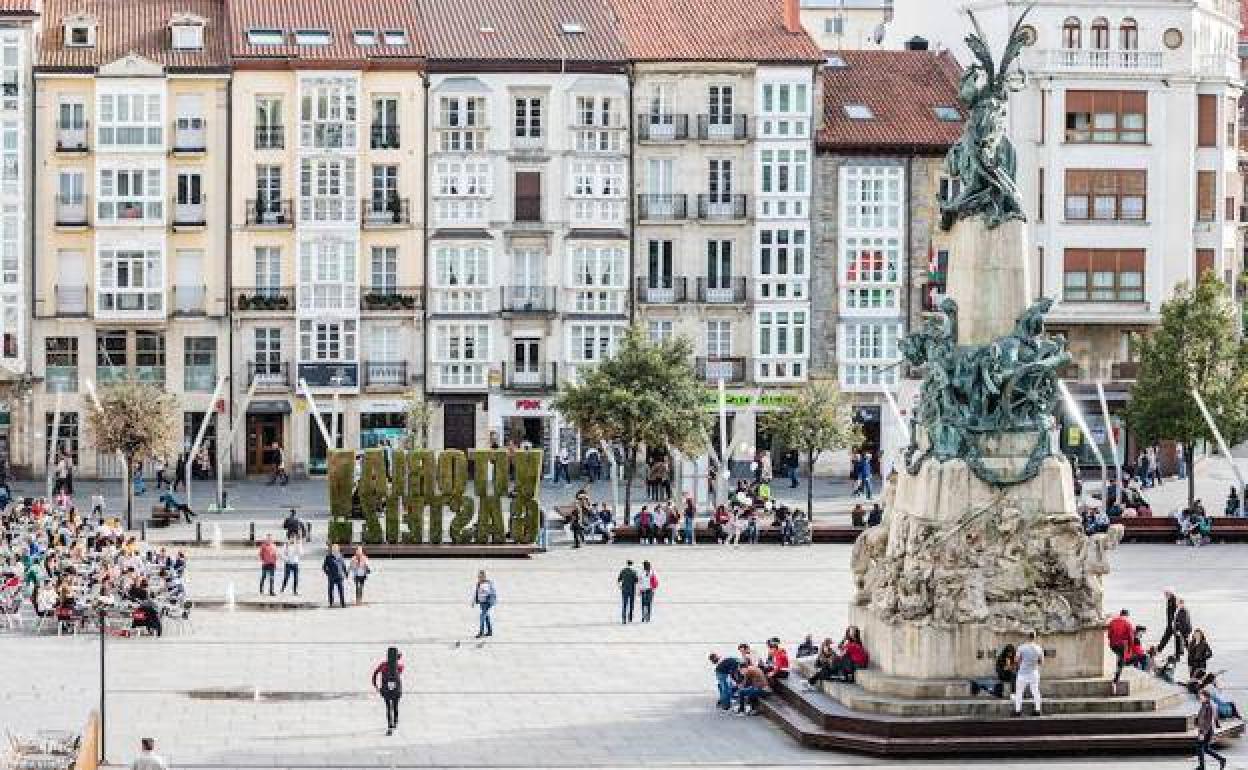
1178, 625
388, 682
335, 570
1198, 654
1206, 722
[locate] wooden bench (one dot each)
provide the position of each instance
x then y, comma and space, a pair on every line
820, 533
444, 551
162, 517
1162, 529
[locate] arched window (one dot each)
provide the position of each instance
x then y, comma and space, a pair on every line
1072, 33
1129, 35
1100, 34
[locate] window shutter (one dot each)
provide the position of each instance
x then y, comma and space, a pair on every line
1206, 120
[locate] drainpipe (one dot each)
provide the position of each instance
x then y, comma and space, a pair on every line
426, 234
229, 287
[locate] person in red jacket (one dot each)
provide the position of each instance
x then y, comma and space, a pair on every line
777, 660
268, 563
853, 655
1120, 633
388, 682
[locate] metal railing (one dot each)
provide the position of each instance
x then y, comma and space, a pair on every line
270, 137
723, 128
528, 208
717, 293
189, 214
72, 300
151, 374
383, 137
544, 376
73, 138
722, 208
199, 378
385, 212
385, 373
269, 375
61, 379
109, 375
731, 369
390, 298
265, 300
528, 299
192, 138
275, 213
662, 127
661, 207
190, 300
73, 211
662, 289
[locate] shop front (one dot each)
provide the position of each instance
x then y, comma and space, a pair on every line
382, 424
867, 418
265, 426
1075, 443
527, 422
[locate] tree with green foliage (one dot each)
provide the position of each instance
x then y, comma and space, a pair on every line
1197, 346
647, 394
138, 420
419, 418
818, 420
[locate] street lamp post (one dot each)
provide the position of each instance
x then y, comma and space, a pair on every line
103, 724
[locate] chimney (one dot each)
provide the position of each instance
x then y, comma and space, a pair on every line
916, 43
792, 16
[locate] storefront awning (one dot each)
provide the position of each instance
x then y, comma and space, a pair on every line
276, 406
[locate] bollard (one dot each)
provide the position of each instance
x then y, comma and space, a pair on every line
143, 531
251, 527
199, 533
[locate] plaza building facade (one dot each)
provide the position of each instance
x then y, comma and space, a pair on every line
326, 233
888, 119
847, 24
722, 158
20, 432
130, 132
1127, 139
528, 253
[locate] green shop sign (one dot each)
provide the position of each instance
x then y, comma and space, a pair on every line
710, 399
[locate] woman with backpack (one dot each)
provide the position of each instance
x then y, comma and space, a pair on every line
649, 584
388, 682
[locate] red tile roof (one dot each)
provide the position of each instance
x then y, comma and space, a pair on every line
711, 30
131, 26
528, 30
901, 88
340, 17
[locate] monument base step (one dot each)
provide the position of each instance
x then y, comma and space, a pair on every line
817, 720
877, 682
854, 697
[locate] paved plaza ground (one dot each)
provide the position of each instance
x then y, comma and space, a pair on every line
561, 684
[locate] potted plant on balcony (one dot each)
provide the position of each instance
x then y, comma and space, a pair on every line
394, 206
242, 301
282, 302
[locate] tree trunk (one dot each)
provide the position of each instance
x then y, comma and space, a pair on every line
810, 486
1189, 457
129, 493
630, 466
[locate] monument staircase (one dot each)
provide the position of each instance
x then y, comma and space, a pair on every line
892, 716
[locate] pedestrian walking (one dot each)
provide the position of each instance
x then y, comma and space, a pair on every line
1206, 722
649, 584
277, 462
335, 569
865, 471
627, 582
1180, 461
360, 570
561, 465
158, 465
388, 682
292, 552
148, 759
268, 563
1030, 657
484, 597
294, 526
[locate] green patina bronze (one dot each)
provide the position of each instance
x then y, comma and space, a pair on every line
983, 158
973, 392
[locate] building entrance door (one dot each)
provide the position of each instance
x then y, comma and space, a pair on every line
262, 431
459, 426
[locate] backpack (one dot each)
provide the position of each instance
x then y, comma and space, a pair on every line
389, 679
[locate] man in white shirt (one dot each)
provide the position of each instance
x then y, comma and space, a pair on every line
292, 551
1030, 656
148, 759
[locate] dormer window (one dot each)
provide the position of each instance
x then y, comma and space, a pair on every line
80, 32
188, 35
265, 37
365, 37
312, 36
572, 28
395, 37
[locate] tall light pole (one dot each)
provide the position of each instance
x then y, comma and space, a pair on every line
103, 728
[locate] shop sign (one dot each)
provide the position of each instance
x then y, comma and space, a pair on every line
396, 407
710, 399
528, 405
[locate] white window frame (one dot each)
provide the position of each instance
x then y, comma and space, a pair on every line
783, 263
868, 351
132, 120
329, 112
119, 293
327, 281
327, 189
115, 193
784, 109
781, 343
323, 341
